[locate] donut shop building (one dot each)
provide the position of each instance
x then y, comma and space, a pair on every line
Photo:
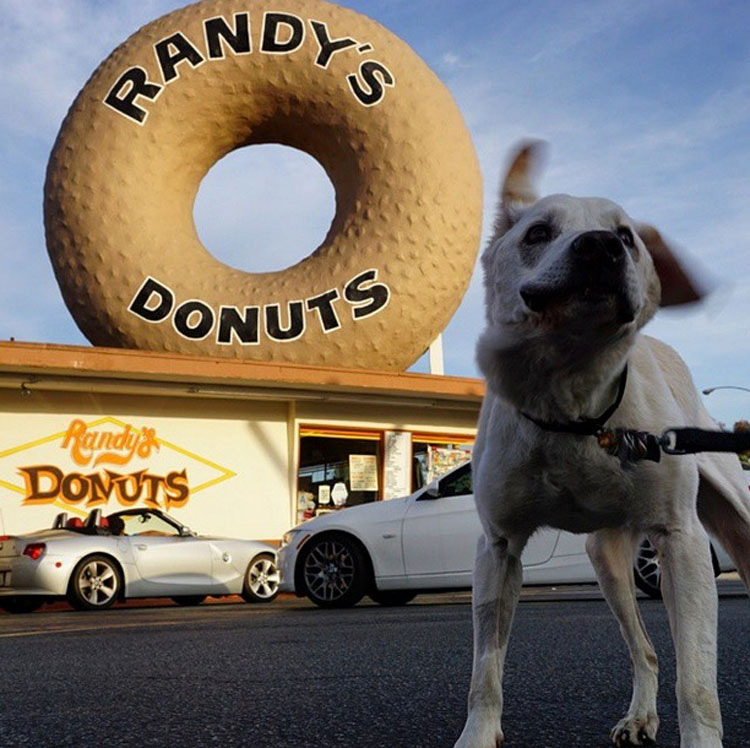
233, 448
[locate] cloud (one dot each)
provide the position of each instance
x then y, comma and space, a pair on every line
569, 26
50, 49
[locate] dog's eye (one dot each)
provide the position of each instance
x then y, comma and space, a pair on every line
626, 236
538, 233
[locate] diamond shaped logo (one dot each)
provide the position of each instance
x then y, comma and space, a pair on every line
107, 460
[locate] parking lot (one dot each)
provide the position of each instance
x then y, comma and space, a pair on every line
294, 676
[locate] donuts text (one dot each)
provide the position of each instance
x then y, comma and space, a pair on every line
47, 484
195, 319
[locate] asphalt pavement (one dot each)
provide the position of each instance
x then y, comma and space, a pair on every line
288, 675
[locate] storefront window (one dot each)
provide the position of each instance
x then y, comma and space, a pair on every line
433, 456
337, 469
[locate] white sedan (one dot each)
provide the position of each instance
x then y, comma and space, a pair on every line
132, 553
391, 550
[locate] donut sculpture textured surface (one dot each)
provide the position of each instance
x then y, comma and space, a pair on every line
200, 82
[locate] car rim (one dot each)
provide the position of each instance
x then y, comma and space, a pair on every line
329, 570
263, 579
647, 563
97, 583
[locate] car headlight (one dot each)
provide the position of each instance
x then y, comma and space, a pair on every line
294, 536
288, 537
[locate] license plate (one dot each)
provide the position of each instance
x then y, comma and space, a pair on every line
4, 579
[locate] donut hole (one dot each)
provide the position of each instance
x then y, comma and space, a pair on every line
264, 207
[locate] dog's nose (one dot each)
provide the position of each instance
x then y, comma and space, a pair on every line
598, 246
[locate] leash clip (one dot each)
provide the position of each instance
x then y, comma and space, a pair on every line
630, 445
668, 443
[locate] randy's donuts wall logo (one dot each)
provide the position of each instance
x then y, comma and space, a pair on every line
92, 447
90, 464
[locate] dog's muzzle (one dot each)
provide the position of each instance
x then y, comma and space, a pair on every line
596, 267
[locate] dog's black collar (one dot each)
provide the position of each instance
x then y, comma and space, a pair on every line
585, 426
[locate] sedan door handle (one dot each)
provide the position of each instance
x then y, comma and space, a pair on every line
141, 547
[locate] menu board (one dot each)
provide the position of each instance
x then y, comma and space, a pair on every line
363, 472
397, 464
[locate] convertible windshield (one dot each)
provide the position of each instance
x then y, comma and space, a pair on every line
147, 524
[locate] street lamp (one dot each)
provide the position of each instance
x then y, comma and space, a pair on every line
709, 390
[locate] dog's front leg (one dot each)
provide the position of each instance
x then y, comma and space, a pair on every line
611, 553
689, 593
497, 585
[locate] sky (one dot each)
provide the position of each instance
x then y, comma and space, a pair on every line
646, 103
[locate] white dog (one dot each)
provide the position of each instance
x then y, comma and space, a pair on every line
569, 284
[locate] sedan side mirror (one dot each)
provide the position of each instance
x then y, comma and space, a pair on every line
186, 532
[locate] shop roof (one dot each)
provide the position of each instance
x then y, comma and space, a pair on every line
63, 367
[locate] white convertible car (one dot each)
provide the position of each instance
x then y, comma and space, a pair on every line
391, 550
133, 553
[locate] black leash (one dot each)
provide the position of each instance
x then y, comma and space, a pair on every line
631, 445
689, 441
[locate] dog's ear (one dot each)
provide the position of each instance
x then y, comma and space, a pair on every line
677, 286
518, 192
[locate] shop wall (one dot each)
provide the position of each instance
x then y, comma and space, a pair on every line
221, 467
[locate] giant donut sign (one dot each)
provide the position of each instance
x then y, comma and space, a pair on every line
192, 86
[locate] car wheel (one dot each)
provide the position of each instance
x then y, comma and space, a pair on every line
334, 571
392, 598
188, 600
646, 570
95, 584
21, 604
261, 580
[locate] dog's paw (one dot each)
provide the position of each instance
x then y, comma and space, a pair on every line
481, 733
635, 730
